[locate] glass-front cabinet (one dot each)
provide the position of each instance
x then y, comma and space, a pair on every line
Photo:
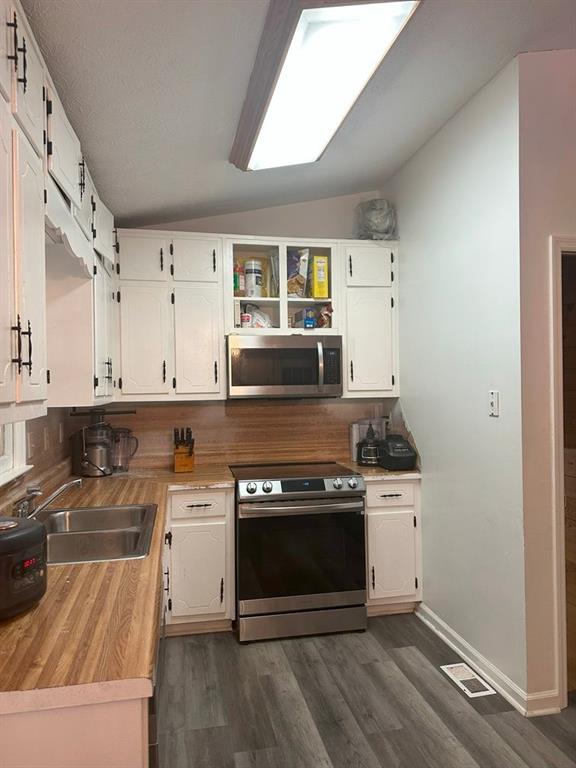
281, 286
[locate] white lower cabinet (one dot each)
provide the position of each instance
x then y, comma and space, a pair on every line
200, 548
393, 545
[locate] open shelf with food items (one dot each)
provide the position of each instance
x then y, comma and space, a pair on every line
280, 286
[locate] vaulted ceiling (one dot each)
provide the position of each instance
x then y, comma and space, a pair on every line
154, 89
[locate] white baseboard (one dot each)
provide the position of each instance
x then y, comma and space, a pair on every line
529, 704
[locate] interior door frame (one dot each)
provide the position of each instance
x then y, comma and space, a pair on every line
559, 245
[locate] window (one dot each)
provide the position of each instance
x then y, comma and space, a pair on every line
12, 451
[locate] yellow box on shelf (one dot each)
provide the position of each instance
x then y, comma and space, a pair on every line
320, 276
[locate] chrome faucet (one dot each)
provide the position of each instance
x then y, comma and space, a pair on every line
26, 506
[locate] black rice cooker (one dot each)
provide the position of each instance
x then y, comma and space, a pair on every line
22, 564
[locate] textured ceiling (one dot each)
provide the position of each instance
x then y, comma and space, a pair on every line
154, 90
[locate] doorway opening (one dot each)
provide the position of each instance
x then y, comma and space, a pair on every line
569, 454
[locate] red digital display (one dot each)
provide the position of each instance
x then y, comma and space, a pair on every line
29, 563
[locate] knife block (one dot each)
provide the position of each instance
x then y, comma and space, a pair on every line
183, 459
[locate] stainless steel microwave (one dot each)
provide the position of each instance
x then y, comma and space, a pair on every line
284, 366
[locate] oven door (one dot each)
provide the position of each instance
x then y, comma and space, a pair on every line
300, 555
284, 366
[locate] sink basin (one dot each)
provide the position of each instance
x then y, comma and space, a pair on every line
93, 534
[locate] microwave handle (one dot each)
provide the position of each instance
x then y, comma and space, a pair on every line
320, 363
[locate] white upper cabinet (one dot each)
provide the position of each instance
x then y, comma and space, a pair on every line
146, 339
370, 340
28, 86
392, 555
31, 268
195, 259
6, 48
63, 149
143, 255
368, 265
198, 339
103, 231
7, 314
102, 285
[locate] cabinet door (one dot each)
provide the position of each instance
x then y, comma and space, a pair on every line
368, 265
196, 260
64, 153
369, 339
197, 339
143, 257
103, 231
391, 554
145, 339
83, 213
198, 568
30, 267
7, 369
27, 89
6, 48
101, 284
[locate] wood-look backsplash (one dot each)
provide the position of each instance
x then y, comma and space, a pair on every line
249, 430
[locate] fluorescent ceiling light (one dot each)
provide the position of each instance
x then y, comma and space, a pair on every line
333, 54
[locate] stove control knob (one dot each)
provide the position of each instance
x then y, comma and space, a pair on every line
267, 486
251, 487
337, 483
352, 482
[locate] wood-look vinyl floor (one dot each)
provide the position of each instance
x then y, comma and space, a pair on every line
362, 700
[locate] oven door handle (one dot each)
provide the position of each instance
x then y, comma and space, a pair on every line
279, 510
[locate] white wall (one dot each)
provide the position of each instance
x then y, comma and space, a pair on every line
458, 214
548, 207
332, 217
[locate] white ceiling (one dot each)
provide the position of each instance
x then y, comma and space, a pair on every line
154, 90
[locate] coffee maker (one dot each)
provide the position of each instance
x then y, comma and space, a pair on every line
368, 449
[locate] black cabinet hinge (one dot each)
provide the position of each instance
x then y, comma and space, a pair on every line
168, 538
351, 370
416, 582
172, 297
393, 379
169, 603
95, 382
215, 372
161, 259
392, 277
93, 233
49, 148
43, 87
49, 106
221, 591
214, 260
392, 302
392, 258
415, 521
95, 269
164, 371
45, 197
48, 376
93, 204
116, 241
174, 383
120, 383
117, 267
172, 269
373, 578
171, 249
118, 297
44, 138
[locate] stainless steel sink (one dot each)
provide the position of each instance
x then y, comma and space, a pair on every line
93, 534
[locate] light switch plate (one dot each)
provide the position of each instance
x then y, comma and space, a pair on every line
494, 403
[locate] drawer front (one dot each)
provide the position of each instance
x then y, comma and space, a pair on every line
390, 494
198, 504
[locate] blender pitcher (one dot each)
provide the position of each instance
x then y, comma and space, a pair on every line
124, 446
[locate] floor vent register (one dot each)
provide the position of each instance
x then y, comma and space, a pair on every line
466, 679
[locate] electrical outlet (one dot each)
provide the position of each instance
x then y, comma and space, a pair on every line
61, 432
494, 403
46, 438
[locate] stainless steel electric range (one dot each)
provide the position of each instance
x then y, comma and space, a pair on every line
300, 550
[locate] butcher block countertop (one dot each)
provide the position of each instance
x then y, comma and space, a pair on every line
98, 622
